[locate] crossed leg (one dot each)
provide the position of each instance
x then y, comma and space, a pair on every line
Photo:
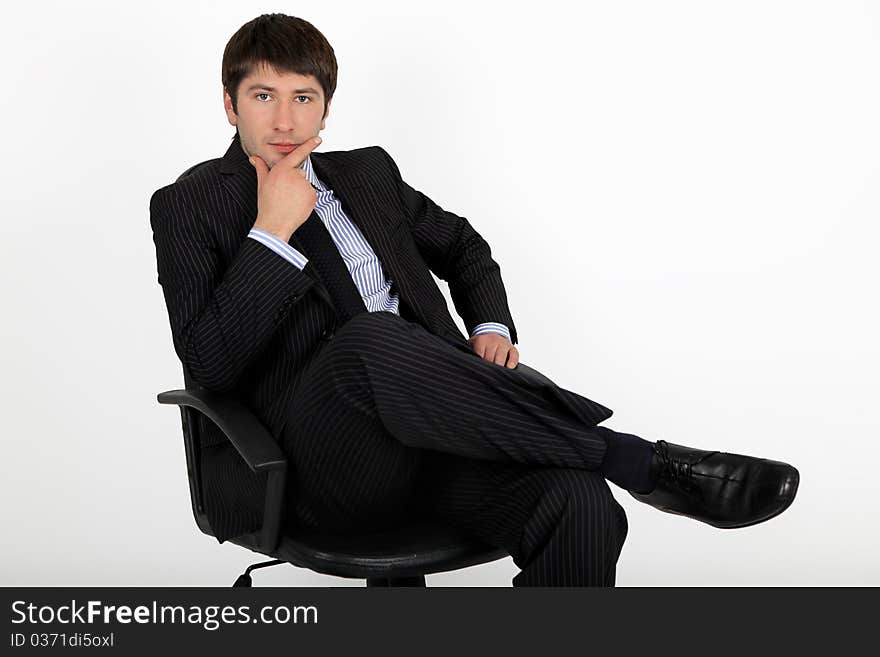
392, 421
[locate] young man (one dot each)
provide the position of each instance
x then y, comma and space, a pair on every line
302, 282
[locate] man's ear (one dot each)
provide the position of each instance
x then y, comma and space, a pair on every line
227, 105
326, 114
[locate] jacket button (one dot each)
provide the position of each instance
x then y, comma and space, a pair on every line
327, 334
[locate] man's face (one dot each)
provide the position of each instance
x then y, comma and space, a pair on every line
276, 108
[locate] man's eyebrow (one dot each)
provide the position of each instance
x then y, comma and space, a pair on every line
304, 90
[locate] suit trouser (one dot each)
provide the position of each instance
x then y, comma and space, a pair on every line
392, 422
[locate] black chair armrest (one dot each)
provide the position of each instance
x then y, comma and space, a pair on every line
249, 436
252, 441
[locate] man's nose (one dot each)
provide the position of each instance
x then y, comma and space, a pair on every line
284, 117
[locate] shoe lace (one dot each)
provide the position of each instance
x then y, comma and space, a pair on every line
675, 471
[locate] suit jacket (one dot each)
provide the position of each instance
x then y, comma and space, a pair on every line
245, 320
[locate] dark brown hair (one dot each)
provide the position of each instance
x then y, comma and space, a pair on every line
286, 44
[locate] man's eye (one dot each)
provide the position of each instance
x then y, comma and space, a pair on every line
265, 94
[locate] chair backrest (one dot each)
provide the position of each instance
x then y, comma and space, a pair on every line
191, 169
192, 438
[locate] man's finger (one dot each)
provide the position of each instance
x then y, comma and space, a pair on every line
486, 350
513, 358
501, 355
299, 154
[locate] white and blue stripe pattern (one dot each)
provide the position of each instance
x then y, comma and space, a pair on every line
280, 247
359, 257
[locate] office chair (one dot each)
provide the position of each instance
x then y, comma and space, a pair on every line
397, 557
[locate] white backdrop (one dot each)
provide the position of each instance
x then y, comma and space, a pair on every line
682, 196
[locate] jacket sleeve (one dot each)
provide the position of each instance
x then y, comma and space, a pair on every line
456, 253
220, 320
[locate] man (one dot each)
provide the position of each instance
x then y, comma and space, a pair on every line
301, 281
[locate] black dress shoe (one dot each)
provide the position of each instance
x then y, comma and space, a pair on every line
723, 490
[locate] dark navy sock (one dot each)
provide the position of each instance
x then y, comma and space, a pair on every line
627, 460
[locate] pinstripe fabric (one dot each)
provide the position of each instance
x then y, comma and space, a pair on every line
561, 526
360, 260
393, 422
245, 320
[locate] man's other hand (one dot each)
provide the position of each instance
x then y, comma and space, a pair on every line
496, 348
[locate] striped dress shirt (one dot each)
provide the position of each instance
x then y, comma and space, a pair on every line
359, 257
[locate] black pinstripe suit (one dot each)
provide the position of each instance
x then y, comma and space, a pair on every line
375, 432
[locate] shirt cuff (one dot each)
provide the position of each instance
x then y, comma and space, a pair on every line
491, 327
280, 247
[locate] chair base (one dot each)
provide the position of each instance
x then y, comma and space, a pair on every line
245, 580
418, 580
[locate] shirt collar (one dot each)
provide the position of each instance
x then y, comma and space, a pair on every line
311, 176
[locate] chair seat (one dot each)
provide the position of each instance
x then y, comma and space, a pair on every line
419, 548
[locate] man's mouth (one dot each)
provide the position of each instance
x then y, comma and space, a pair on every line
284, 147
